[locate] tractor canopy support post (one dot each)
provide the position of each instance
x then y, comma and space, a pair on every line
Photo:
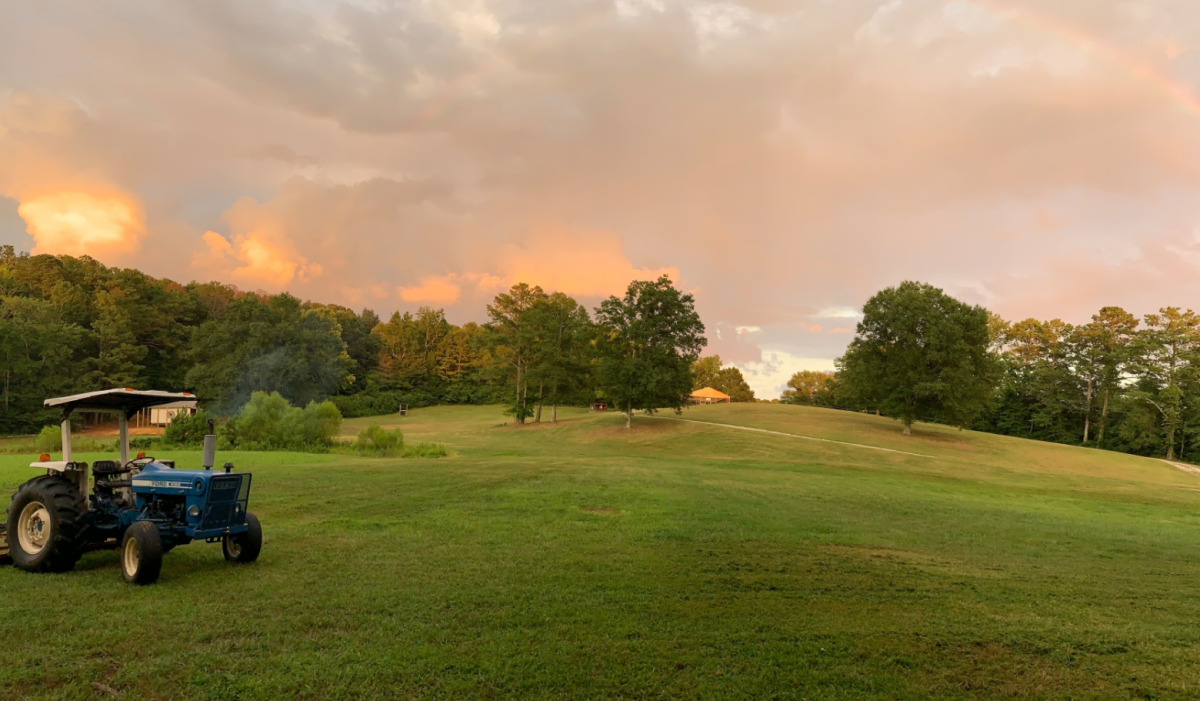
66, 436
123, 430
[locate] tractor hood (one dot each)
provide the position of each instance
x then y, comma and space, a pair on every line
157, 478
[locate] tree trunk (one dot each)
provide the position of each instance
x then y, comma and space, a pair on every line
1087, 412
520, 419
1171, 443
541, 386
907, 428
628, 414
1103, 416
554, 412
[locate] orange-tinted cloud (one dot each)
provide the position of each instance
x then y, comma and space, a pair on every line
256, 258
431, 290
83, 223
584, 262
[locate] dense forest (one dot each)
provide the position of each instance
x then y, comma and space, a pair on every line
72, 325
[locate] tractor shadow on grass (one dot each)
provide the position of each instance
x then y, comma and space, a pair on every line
175, 565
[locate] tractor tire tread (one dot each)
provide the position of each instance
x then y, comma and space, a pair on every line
61, 495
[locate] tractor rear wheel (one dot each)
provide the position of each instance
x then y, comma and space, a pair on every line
45, 520
244, 547
141, 553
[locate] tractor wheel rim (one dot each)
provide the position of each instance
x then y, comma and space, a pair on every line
129, 557
33, 527
235, 549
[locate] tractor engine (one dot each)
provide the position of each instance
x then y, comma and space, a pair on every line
197, 501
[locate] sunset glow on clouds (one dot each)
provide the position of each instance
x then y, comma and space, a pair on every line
782, 160
77, 223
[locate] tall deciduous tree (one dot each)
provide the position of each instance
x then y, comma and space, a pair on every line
648, 342
1100, 351
1168, 359
512, 341
920, 353
118, 354
812, 387
561, 331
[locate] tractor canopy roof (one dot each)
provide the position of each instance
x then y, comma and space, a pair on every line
120, 399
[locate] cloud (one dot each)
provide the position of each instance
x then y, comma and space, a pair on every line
257, 258
83, 223
432, 290
768, 377
576, 261
782, 161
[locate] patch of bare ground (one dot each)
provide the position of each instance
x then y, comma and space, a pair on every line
1190, 469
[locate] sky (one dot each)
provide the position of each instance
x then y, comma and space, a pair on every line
780, 160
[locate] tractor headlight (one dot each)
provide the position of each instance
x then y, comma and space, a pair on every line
194, 512
198, 486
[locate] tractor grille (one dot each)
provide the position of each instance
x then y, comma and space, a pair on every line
227, 498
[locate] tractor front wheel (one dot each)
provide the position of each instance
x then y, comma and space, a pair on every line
244, 547
44, 524
141, 553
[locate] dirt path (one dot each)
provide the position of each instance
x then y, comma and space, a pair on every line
792, 435
1190, 469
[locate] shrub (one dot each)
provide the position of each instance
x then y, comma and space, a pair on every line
374, 440
145, 442
424, 450
268, 422
49, 440
187, 429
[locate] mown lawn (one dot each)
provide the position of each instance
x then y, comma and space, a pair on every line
674, 561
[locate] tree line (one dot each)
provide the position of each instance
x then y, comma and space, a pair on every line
71, 324
1117, 382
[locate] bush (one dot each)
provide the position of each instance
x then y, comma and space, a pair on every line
424, 450
144, 442
187, 430
49, 440
374, 440
268, 422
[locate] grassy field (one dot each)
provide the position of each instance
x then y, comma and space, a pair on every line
677, 560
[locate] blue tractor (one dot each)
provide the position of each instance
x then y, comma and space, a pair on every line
143, 507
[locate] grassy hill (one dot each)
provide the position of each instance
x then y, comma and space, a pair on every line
678, 560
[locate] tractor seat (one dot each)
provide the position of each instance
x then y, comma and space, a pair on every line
108, 467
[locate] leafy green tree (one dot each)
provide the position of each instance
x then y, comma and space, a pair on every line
921, 354
707, 372
410, 346
270, 345
648, 342
1168, 355
362, 345
512, 340
117, 357
561, 332
37, 359
811, 387
1042, 363
1099, 353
